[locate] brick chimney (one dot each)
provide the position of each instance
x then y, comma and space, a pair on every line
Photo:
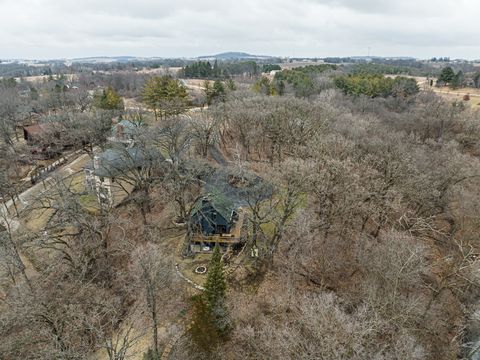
120, 131
96, 162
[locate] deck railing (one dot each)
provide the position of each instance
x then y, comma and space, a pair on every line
225, 239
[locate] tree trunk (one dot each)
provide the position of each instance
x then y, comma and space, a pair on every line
155, 328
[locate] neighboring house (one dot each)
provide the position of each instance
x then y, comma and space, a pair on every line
41, 134
215, 219
106, 174
124, 133
44, 138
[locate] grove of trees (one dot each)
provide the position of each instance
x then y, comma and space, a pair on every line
165, 96
376, 85
220, 70
449, 77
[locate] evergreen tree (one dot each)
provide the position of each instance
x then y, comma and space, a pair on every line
231, 85
476, 79
458, 80
280, 87
108, 99
301, 81
216, 92
219, 92
264, 86
215, 290
165, 96
215, 69
447, 75
374, 85
215, 286
266, 68
403, 87
204, 332
209, 323
8, 82
208, 91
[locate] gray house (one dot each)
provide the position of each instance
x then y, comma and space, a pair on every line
104, 175
124, 132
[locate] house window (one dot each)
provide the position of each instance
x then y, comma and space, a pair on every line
103, 192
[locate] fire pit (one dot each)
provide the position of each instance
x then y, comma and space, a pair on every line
200, 270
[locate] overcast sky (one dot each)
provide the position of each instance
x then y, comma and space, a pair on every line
185, 28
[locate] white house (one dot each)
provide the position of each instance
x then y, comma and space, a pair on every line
107, 174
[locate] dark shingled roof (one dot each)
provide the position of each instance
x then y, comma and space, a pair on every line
223, 205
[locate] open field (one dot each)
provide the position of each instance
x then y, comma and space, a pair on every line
446, 92
295, 64
160, 71
458, 94
40, 78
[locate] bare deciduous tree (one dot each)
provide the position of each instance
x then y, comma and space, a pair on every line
153, 273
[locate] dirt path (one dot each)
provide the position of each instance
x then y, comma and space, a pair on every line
189, 281
169, 347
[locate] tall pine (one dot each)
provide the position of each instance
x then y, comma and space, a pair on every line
165, 96
204, 332
210, 318
215, 292
215, 286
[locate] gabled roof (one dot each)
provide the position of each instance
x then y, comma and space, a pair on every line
112, 162
128, 126
223, 205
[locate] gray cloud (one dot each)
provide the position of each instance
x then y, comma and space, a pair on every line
68, 28
412, 8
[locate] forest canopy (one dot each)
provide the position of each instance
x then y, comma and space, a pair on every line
376, 85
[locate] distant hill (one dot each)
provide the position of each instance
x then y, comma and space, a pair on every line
235, 56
